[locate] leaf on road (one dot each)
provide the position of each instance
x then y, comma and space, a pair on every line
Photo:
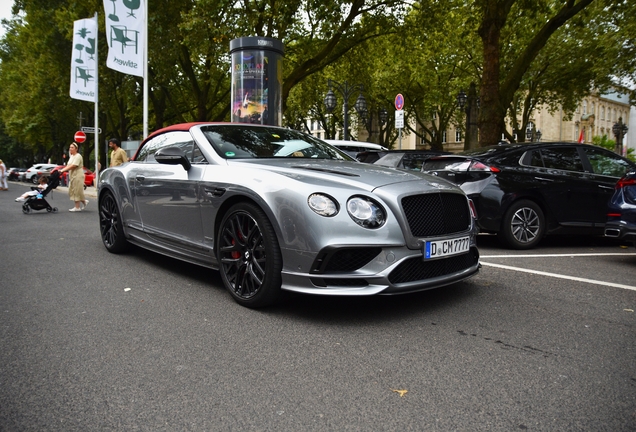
400, 392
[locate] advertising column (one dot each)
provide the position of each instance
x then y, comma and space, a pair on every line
257, 80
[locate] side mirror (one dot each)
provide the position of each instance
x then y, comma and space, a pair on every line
172, 156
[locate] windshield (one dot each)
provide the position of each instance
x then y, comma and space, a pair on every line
253, 142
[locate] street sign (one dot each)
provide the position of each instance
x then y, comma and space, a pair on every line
80, 137
399, 119
399, 102
87, 129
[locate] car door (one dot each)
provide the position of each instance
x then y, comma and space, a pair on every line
167, 195
606, 168
567, 189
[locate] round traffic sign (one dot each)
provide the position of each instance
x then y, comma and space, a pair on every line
399, 102
80, 137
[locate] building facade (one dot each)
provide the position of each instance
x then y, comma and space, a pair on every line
595, 116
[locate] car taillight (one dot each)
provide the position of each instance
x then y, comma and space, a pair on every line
625, 182
478, 166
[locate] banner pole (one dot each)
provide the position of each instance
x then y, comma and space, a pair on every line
146, 40
96, 104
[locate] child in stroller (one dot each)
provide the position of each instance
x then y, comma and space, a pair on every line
43, 183
35, 199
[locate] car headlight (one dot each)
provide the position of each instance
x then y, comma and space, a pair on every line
323, 205
366, 212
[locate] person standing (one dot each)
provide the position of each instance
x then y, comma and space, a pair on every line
118, 156
3, 176
75, 169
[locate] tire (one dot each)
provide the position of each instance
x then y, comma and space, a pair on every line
26, 209
523, 225
110, 224
249, 256
34, 179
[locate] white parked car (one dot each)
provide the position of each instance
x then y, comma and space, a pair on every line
36, 171
352, 148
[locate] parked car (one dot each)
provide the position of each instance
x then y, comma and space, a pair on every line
352, 148
407, 159
89, 176
621, 213
36, 171
275, 209
14, 173
524, 191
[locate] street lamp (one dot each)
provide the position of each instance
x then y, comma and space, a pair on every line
538, 134
346, 90
384, 116
530, 133
619, 129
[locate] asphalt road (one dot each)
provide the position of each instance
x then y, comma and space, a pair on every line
95, 341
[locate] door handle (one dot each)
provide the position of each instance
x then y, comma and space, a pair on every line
606, 187
544, 179
140, 178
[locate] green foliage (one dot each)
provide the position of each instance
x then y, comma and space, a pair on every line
604, 141
426, 50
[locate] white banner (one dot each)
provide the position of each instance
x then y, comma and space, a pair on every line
84, 60
125, 33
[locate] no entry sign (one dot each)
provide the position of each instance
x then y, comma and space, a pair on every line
80, 137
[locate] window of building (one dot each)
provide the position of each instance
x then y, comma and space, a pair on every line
458, 135
584, 107
602, 113
444, 137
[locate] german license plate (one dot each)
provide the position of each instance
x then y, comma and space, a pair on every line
442, 248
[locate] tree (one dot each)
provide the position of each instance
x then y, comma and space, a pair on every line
498, 86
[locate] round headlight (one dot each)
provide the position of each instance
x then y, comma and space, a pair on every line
322, 205
366, 212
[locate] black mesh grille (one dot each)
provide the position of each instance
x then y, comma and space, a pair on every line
436, 214
416, 269
347, 260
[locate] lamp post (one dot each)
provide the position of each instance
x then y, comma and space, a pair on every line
471, 102
619, 129
346, 90
530, 132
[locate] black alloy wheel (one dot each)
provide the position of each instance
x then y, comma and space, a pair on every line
110, 224
249, 256
523, 225
26, 209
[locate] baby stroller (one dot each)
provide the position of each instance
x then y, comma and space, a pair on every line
39, 202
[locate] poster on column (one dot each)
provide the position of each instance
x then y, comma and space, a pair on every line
84, 60
250, 87
125, 33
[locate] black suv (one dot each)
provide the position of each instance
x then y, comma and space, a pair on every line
524, 191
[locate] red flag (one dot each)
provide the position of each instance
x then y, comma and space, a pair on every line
581, 136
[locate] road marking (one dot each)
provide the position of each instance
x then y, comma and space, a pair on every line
590, 281
560, 255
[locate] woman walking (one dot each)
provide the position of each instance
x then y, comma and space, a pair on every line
75, 169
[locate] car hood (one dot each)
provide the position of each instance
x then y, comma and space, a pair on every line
355, 174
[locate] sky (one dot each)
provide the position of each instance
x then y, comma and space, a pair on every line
5, 12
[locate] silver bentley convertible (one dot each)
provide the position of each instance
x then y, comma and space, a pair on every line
275, 209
